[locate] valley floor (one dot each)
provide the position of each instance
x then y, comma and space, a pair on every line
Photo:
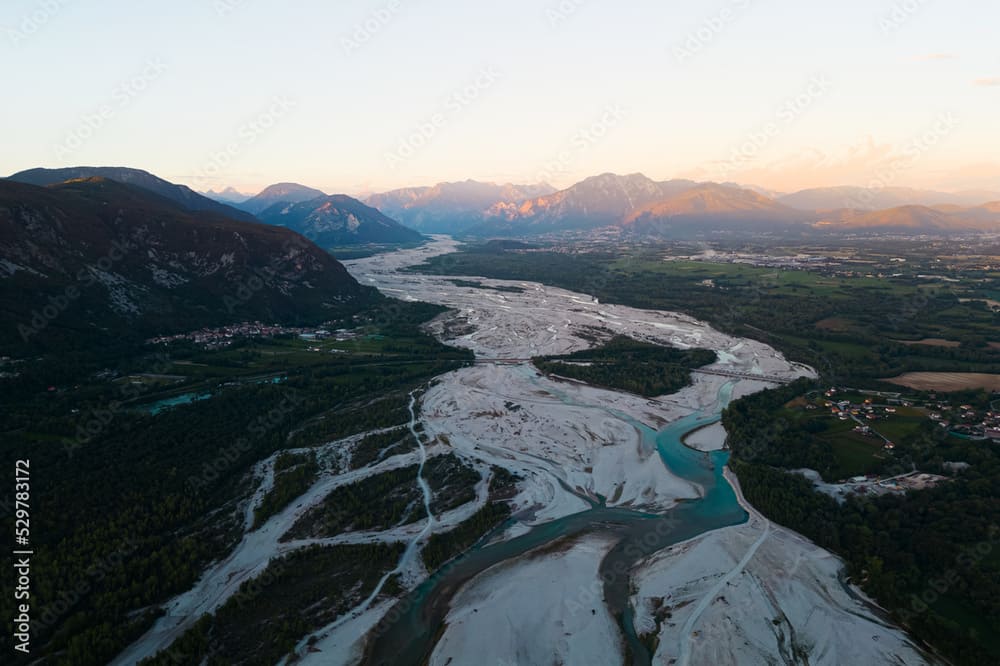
749, 594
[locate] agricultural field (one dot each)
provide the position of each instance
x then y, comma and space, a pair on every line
947, 381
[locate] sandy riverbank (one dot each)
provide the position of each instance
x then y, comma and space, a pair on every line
708, 438
747, 594
536, 609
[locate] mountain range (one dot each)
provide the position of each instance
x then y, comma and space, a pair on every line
451, 207
188, 260
637, 205
338, 220
633, 205
595, 202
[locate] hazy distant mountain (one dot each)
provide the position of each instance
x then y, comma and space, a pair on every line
338, 220
714, 198
915, 218
712, 207
229, 196
181, 194
279, 193
595, 202
861, 198
451, 207
985, 217
769, 193
902, 217
637, 205
94, 260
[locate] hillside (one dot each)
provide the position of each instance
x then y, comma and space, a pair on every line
94, 260
914, 218
279, 193
713, 207
862, 198
179, 194
338, 220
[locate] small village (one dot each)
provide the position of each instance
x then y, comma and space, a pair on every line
224, 336
963, 420
881, 416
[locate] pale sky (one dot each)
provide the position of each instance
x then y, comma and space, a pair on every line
357, 96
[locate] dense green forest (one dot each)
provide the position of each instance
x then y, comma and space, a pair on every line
293, 475
388, 499
374, 447
442, 546
629, 365
128, 508
932, 557
297, 594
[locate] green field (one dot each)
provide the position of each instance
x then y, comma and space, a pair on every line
856, 454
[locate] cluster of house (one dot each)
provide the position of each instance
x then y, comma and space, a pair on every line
867, 410
218, 338
967, 421
963, 420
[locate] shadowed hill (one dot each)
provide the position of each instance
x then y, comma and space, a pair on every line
179, 194
91, 260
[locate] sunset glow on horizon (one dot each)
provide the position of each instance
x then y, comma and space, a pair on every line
370, 96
